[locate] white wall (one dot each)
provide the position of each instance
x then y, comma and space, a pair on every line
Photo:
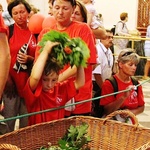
110, 9
41, 4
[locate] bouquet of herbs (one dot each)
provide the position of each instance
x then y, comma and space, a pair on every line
70, 51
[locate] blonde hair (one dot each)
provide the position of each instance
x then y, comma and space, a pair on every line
123, 16
1, 7
127, 55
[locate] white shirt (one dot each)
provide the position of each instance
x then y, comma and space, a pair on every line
8, 20
104, 62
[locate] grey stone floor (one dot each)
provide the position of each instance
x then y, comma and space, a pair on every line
144, 118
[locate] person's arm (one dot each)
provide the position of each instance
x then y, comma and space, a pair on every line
98, 79
89, 18
100, 33
70, 72
39, 65
138, 110
115, 105
4, 61
80, 77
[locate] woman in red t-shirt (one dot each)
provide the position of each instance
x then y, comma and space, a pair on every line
132, 99
22, 45
43, 91
62, 11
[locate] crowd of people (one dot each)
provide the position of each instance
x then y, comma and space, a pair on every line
32, 81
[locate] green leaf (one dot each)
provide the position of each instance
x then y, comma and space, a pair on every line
80, 52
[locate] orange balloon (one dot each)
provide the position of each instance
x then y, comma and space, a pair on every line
35, 23
48, 22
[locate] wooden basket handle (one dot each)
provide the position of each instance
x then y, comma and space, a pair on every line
145, 147
119, 112
8, 147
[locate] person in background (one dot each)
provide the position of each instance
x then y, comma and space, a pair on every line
22, 45
132, 99
80, 13
34, 10
103, 69
147, 54
100, 19
43, 91
98, 30
6, 16
50, 12
62, 11
121, 29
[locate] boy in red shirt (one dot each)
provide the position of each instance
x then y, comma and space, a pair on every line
43, 91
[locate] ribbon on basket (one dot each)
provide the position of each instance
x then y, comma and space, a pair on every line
18, 66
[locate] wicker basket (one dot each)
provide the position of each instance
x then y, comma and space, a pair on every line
106, 134
8, 147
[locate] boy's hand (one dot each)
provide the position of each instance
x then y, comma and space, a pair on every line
49, 45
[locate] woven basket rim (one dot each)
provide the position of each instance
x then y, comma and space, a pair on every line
95, 124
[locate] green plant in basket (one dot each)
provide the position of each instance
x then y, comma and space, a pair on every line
70, 51
76, 138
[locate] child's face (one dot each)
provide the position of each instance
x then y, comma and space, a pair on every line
49, 81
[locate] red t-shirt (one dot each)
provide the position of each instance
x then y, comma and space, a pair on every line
133, 101
40, 100
18, 39
3, 27
82, 30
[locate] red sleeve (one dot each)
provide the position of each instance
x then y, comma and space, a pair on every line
107, 88
3, 27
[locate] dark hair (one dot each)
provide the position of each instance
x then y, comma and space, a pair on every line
83, 10
73, 2
14, 3
52, 65
109, 31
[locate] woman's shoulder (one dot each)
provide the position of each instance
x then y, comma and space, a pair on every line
80, 26
77, 23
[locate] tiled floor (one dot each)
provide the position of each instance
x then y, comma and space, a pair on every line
144, 118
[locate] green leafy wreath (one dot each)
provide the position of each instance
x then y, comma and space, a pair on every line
70, 51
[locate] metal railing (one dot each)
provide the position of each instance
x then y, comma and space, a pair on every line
133, 39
